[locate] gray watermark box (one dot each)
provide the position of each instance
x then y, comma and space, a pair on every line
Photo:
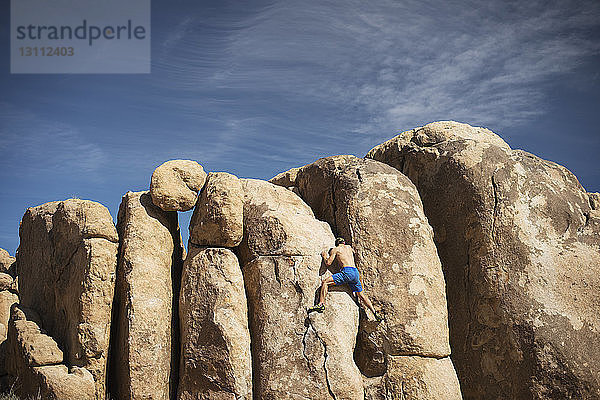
80, 36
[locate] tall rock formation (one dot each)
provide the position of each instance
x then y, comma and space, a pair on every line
215, 341
378, 211
295, 355
520, 251
67, 259
144, 351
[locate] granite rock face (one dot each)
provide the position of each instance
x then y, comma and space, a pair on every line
217, 218
519, 245
295, 355
215, 341
67, 261
378, 211
144, 363
506, 276
175, 184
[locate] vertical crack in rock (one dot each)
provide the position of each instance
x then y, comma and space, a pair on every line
334, 207
111, 379
568, 224
587, 219
64, 269
250, 311
359, 175
495, 212
276, 267
176, 271
467, 284
296, 281
308, 326
325, 356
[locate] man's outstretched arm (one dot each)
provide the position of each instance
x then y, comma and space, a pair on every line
328, 258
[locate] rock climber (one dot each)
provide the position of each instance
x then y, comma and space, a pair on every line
348, 274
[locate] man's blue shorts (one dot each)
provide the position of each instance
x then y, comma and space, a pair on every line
350, 276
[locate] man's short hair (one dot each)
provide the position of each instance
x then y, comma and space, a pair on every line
339, 241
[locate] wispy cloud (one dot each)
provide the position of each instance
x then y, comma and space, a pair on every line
41, 146
390, 65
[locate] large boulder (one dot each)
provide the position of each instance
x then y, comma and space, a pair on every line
34, 363
175, 184
277, 222
217, 218
521, 257
149, 266
215, 341
295, 355
378, 211
67, 260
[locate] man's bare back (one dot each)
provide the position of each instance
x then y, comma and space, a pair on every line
343, 254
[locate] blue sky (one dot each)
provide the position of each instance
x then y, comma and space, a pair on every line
255, 88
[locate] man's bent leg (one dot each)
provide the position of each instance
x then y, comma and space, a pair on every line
322, 295
324, 287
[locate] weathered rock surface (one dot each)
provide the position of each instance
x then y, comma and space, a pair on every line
372, 206
294, 355
378, 211
67, 260
278, 222
149, 260
421, 378
215, 341
34, 362
175, 184
57, 382
218, 216
521, 258
6, 261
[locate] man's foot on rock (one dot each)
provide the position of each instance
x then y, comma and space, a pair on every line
318, 308
378, 317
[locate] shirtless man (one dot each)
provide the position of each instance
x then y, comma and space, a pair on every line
348, 275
